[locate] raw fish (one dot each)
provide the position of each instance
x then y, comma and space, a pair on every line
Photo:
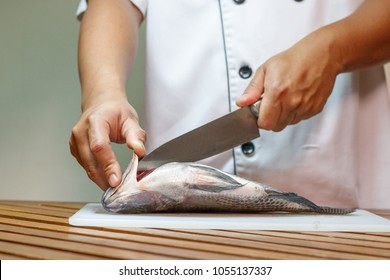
191, 187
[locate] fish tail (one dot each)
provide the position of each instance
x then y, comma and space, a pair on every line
335, 211
306, 205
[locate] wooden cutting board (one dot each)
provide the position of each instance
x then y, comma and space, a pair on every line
93, 214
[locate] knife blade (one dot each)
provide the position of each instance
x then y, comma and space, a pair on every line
208, 140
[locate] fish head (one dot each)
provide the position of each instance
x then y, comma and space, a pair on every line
135, 195
115, 199
137, 202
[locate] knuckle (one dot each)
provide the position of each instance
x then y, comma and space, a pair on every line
252, 87
109, 167
97, 147
296, 102
278, 128
265, 124
93, 174
277, 88
92, 118
319, 108
70, 143
259, 70
142, 135
315, 110
72, 148
133, 113
75, 132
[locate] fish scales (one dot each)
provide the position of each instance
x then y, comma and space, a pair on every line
191, 187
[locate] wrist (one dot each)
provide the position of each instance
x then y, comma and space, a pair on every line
320, 51
340, 47
96, 97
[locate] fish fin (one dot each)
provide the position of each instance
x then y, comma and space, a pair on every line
309, 205
214, 188
213, 180
293, 197
130, 174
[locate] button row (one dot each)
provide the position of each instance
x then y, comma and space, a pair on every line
248, 148
245, 72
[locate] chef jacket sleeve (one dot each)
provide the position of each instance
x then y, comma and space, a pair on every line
81, 9
140, 4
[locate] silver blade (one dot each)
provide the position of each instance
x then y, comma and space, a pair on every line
208, 140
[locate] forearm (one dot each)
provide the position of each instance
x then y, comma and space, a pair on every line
107, 47
362, 39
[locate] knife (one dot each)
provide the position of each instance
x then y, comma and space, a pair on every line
208, 140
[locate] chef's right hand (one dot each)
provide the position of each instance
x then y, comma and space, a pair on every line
103, 122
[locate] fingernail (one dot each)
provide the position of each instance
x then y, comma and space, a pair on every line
139, 146
113, 180
241, 97
239, 102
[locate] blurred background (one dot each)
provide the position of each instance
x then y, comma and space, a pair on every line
40, 102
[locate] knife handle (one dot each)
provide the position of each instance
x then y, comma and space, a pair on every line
255, 107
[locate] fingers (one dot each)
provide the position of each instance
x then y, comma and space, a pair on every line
290, 108
284, 101
80, 149
90, 142
270, 110
254, 89
282, 107
102, 152
135, 137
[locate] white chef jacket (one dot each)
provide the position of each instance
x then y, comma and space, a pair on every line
194, 53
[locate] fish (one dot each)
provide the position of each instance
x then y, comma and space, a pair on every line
191, 187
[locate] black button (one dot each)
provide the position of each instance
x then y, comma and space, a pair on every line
298, 0
245, 72
248, 148
239, 1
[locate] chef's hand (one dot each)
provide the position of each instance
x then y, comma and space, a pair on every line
296, 84
112, 120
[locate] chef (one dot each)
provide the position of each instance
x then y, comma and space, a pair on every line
325, 114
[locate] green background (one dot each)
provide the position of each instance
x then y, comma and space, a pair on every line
40, 102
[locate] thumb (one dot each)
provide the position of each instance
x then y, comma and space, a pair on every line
135, 137
254, 89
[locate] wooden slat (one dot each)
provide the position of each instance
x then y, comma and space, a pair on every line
33, 217
4, 256
69, 246
41, 253
337, 256
369, 248
261, 240
376, 241
66, 207
321, 237
114, 243
37, 210
222, 251
380, 236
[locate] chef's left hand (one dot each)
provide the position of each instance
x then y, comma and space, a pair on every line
296, 84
